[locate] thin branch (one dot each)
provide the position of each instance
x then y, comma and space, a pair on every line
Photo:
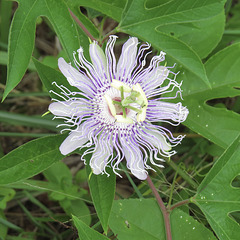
81, 25
182, 173
162, 207
180, 204
188, 135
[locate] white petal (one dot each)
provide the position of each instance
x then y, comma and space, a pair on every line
158, 76
156, 139
75, 78
134, 159
127, 59
154, 78
100, 156
64, 108
173, 112
111, 60
72, 142
99, 60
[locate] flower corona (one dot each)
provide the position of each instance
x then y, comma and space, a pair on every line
118, 108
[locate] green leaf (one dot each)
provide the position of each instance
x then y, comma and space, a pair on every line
30, 121
48, 76
145, 20
219, 125
4, 61
30, 159
77, 208
202, 36
5, 13
42, 186
3, 228
59, 174
216, 196
75, 7
22, 34
6, 194
142, 219
102, 188
186, 227
8, 224
85, 232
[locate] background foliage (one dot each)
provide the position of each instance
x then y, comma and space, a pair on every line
42, 197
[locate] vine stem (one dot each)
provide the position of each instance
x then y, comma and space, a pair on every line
162, 207
81, 25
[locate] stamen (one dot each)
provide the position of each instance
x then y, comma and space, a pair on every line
134, 109
116, 102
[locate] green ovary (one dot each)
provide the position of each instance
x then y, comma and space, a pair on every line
119, 107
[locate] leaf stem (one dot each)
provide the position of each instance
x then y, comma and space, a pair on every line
131, 181
162, 207
81, 25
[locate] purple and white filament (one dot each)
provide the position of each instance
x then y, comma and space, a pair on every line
117, 107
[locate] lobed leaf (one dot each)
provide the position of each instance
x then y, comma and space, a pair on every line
202, 35
216, 196
112, 8
150, 21
219, 125
200, 28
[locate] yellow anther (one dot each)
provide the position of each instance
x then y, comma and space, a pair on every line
117, 85
122, 119
141, 116
110, 105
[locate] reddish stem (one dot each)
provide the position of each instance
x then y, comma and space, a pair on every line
107, 36
180, 204
81, 25
162, 207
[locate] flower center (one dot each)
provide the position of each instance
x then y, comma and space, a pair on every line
119, 107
